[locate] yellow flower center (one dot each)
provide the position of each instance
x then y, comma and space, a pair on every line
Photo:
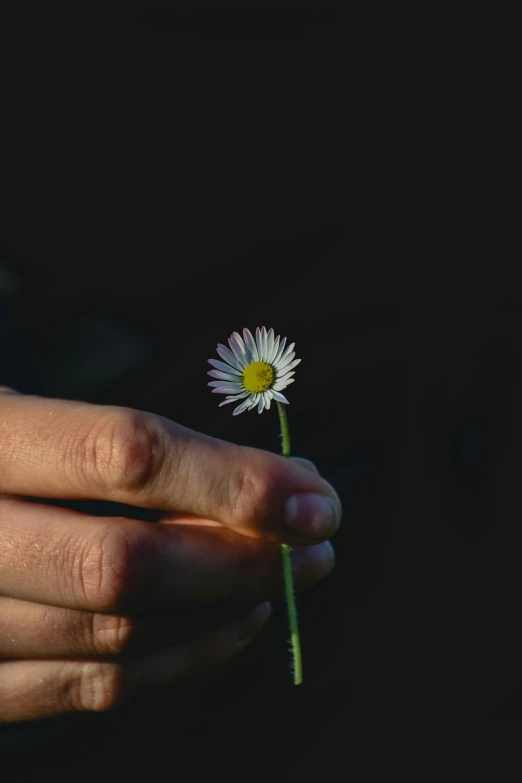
258, 377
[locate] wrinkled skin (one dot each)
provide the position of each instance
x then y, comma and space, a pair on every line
95, 608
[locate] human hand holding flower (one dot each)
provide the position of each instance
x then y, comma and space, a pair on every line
94, 609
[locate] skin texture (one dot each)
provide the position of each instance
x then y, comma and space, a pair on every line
95, 609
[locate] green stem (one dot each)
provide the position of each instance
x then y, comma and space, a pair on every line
287, 569
285, 432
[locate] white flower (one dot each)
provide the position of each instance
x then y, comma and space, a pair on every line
256, 371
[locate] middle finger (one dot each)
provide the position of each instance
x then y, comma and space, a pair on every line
60, 557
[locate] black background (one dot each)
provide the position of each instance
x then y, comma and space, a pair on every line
352, 179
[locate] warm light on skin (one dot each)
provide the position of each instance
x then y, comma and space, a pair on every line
258, 377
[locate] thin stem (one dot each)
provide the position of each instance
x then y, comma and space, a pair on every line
285, 432
292, 615
287, 569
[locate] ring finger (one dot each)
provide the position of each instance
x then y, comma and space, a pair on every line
33, 689
29, 630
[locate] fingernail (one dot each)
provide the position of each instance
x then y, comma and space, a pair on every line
254, 620
312, 563
311, 515
306, 464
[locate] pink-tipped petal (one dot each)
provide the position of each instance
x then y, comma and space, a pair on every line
223, 367
238, 349
224, 376
227, 356
251, 345
235, 387
223, 390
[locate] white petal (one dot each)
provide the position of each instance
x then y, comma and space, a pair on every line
264, 332
281, 368
284, 356
232, 385
241, 408
267, 397
259, 343
224, 367
261, 404
280, 385
227, 355
284, 375
264, 342
225, 376
226, 390
280, 351
251, 345
290, 366
234, 398
280, 397
254, 399
238, 349
282, 363
270, 345
275, 349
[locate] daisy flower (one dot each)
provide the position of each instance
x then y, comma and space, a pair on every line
253, 370
256, 372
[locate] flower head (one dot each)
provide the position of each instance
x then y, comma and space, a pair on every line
255, 371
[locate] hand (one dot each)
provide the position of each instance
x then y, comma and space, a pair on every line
95, 609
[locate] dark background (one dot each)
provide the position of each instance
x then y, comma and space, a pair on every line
352, 179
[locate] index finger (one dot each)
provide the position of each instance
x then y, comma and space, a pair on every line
63, 449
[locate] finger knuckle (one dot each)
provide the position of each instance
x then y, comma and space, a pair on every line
111, 634
249, 495
95, 687
123, 451
108, 571
66, 560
